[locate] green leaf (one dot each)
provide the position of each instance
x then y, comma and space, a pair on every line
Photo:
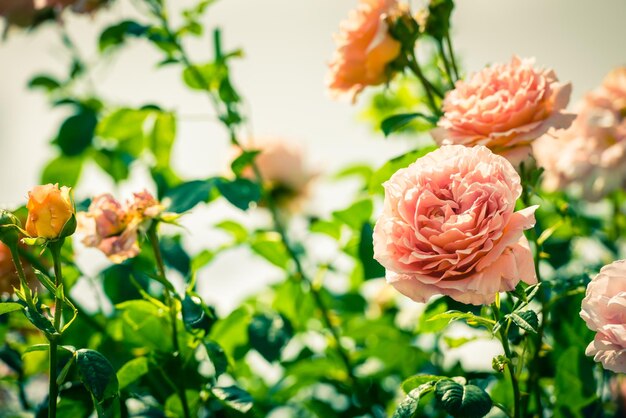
408, 406
243, 161
174, 254
125, 128
162, 138
131, 371
240, 192
97, 374
63, 170
397, 122
187, 195
526, 320
238, 232
116, 34
371, 268
193, 314
40, 321
217, 356
230, 332
330, 228
270, 246
174, 407
205, 77
356, 214
418, 380
467, 401
234, 398
6, 307
145, 325
269, 334
571, 387
390, 167
76, 132
469, 318
44, 81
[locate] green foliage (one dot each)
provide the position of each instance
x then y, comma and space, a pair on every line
269, 334
467, 401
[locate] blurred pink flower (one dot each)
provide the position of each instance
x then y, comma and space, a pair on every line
364, 49
113, 228
284, 169
449, 227
504, 107
604, 311
592, 152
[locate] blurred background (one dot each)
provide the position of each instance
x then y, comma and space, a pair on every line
287, 45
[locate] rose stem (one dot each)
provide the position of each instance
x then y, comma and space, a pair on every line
278, 226
446, 63
171, 302
452, 59
55, 249
509, 365
428, 88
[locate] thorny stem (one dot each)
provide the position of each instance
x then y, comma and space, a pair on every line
507, 352
446, 63
171, 302
278, 225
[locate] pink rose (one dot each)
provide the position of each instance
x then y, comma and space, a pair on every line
449, 227
364, 49
604, 311
113, 228
504, 107
592, 152
284, 168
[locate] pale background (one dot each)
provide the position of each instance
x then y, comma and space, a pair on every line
287, 45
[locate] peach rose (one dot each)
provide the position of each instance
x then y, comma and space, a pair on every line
504, 107
49, 209
113, 228
283, 167
592, 152
604, 311
449, 227
364, 49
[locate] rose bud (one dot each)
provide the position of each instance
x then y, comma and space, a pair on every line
50, 212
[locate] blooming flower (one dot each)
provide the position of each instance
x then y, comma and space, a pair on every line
113, 228
49, 209
364, 49
604, 311
504, 107
449, 227
592, 152
283, 167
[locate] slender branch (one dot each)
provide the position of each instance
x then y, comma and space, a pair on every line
446, 63
171, 302
55, 249
278, 226
452, 58
428, 87
508, 353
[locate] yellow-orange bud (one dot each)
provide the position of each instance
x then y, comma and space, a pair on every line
49, 209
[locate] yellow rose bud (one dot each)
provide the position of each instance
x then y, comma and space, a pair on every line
49, 209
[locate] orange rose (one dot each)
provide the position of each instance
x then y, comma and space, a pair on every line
364, 49
49, 209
